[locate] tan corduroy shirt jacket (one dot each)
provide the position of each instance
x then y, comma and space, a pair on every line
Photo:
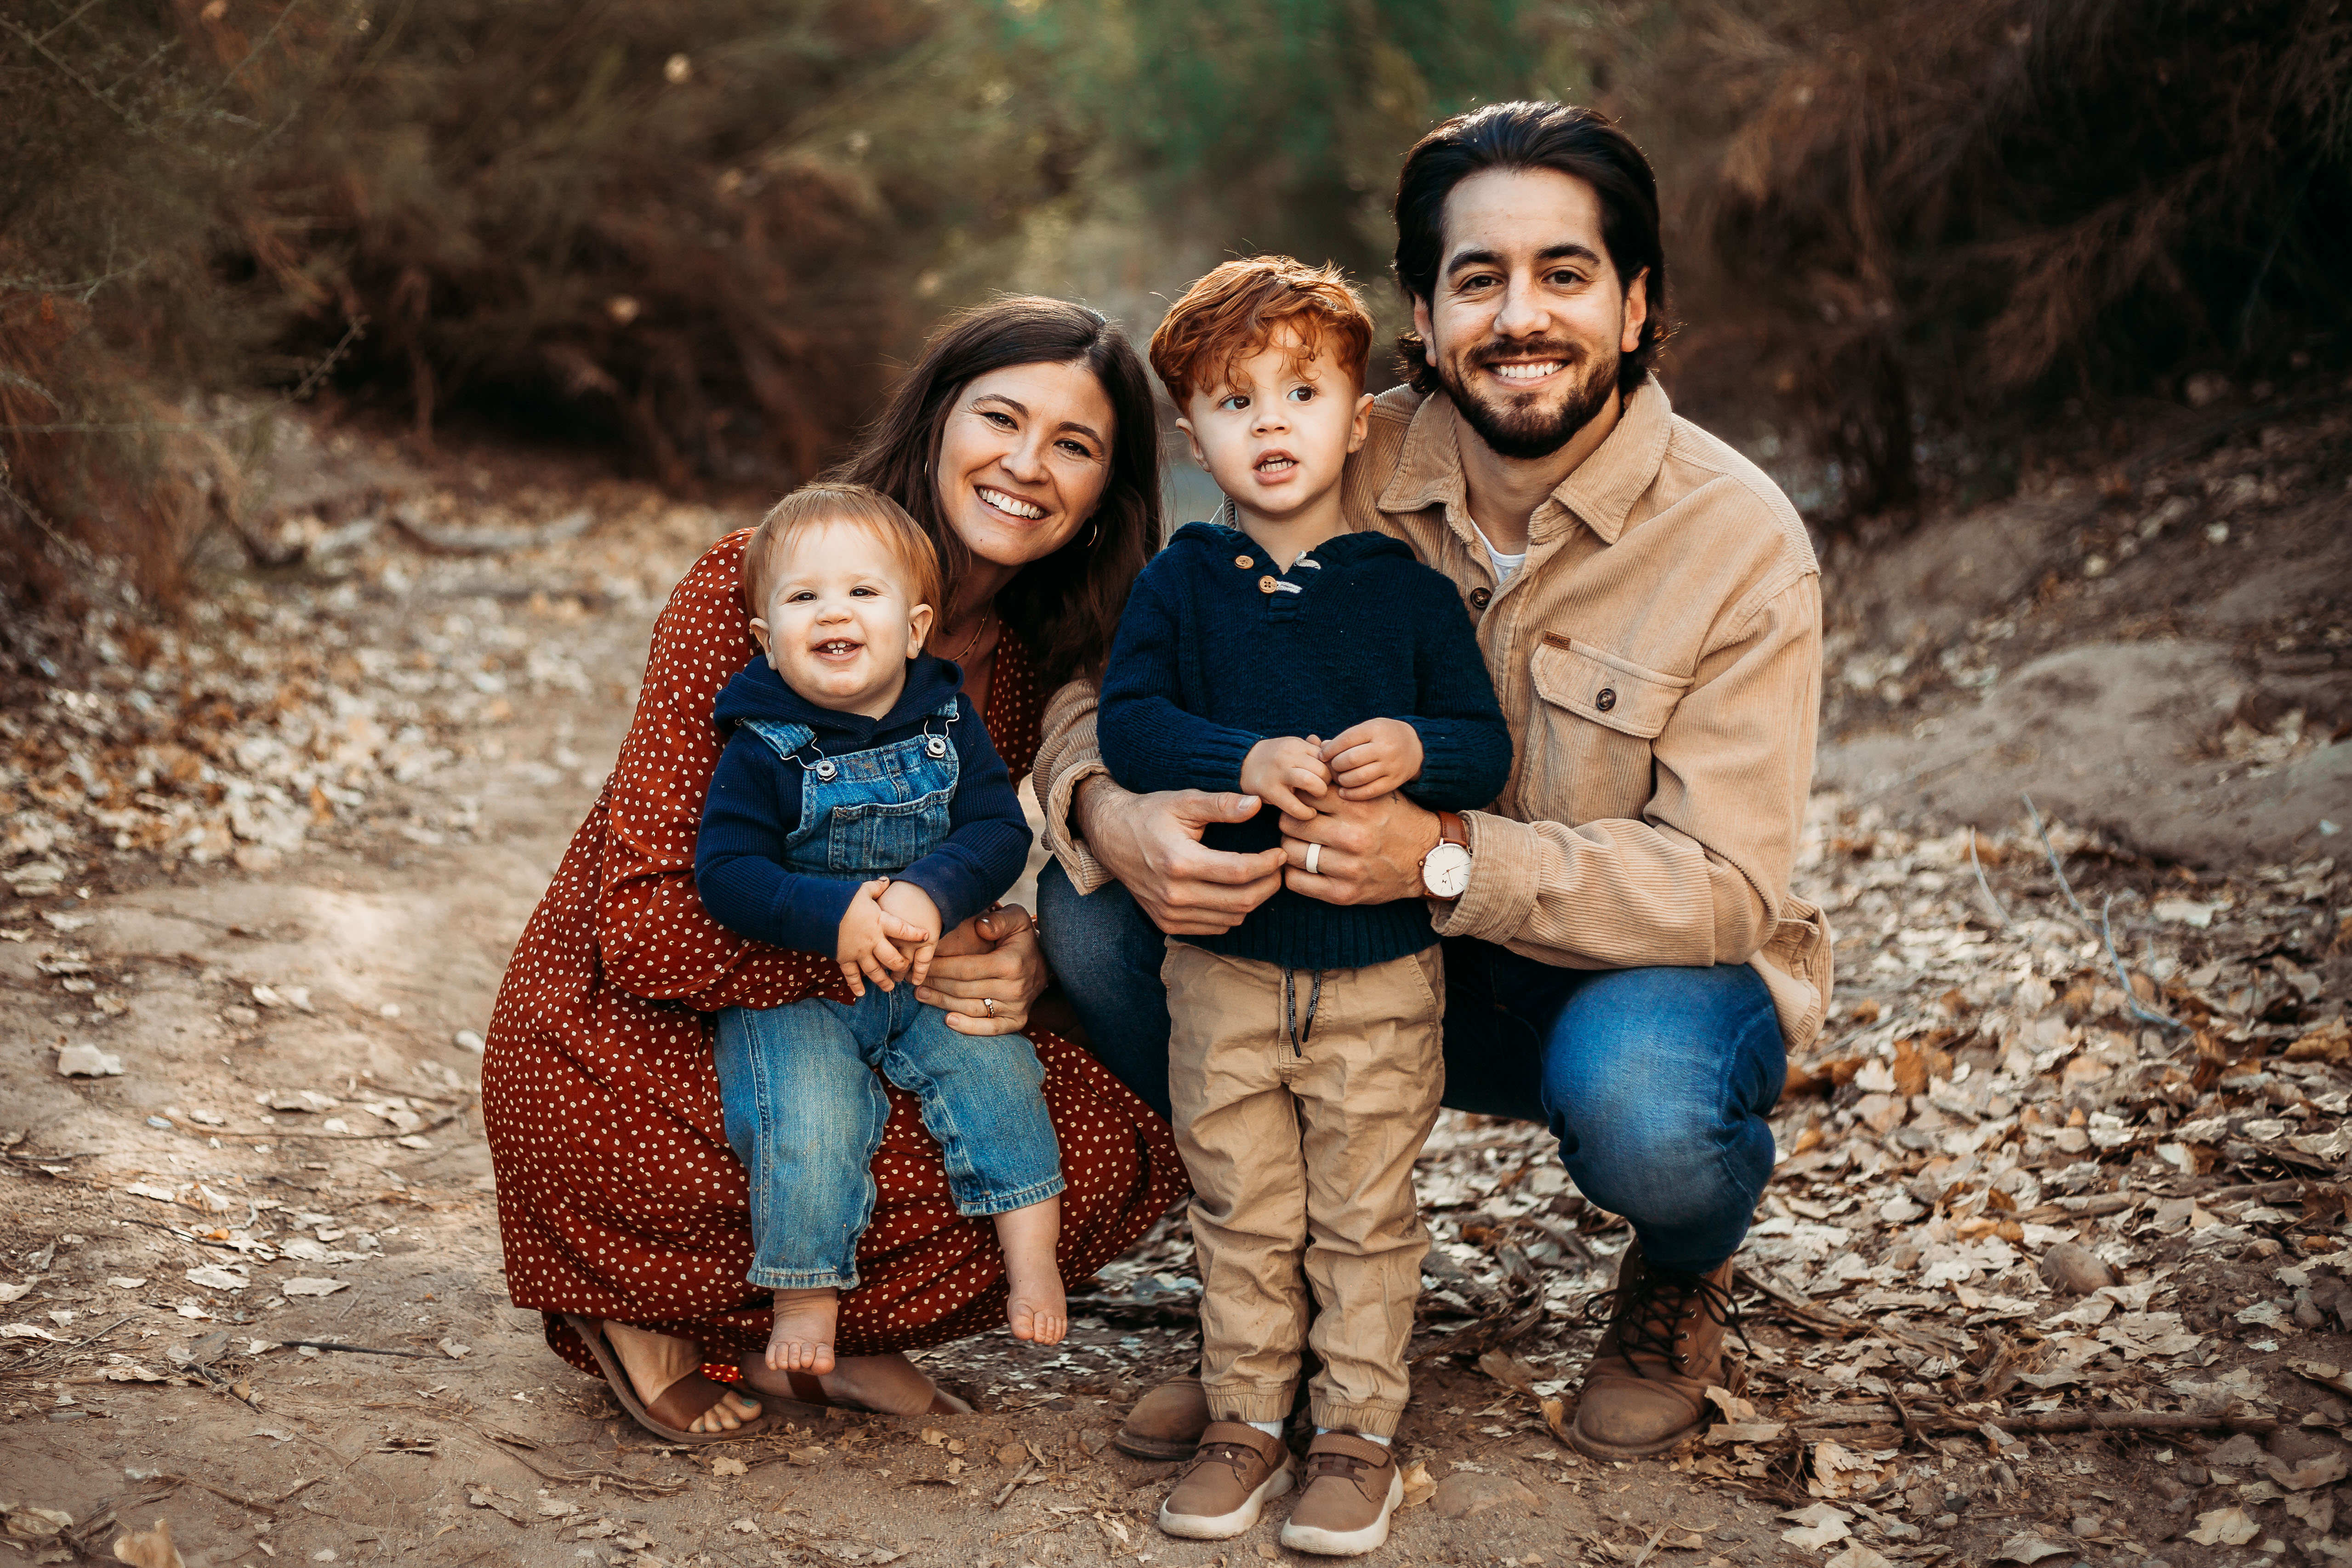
1659, 661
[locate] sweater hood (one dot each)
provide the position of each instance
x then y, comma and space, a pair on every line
759, 692
1223, 539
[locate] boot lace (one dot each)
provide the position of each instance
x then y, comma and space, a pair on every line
1645, 1313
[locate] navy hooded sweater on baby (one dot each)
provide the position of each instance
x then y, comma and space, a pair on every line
755, 804
1217, 651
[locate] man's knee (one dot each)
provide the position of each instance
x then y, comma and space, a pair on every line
1655, 1081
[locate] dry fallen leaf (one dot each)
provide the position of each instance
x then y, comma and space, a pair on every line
150, 1548
728, 1465
1418, 1487
2225, 1527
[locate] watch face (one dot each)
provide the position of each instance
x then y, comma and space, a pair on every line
1445, 871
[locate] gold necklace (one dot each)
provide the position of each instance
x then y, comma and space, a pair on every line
976, 636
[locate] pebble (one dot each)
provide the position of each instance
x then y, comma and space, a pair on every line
1465, 1494
467, 1040
2076, 1269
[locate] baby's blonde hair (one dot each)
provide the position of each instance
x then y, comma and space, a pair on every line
828, 501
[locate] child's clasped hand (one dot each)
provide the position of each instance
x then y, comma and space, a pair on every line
1281, 768
888, 934
1377, 757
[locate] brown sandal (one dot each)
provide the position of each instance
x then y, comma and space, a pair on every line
808, 1387
683, 1402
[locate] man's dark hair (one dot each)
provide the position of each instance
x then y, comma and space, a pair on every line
1557, 136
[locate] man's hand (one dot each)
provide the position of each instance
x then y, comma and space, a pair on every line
1152, 844
913, 909
991, 957
1377, 757
1281, 768
864, 948
1372, 852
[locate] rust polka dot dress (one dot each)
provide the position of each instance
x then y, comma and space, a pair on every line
618, 1196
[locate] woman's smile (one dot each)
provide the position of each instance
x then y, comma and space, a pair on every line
1011, 505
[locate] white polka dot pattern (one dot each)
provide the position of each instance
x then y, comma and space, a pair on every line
618, 1196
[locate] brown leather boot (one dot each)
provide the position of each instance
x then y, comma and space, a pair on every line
1165, 1423
1646, 1388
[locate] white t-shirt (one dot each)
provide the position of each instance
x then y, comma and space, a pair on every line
1506, 566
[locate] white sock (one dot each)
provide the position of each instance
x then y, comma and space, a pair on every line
1367, 1437
1271, 1428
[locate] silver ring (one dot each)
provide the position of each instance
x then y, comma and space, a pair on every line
1314, 859
989, 1003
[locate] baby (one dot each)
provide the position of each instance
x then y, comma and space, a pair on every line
1276, 653
860, 809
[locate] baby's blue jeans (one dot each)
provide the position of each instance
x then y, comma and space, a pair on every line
804, 1113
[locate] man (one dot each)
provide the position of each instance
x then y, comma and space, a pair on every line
1624, 958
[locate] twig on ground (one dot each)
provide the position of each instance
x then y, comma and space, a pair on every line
356, 1349
2131, 999
1655, 1536
1984, 886
1018, 1477
2055, 869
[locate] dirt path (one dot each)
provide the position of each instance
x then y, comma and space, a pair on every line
295, 1114
333, 804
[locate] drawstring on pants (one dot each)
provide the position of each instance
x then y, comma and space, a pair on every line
1297, 1029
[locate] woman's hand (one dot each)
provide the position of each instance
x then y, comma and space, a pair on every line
1152, 844
991, 957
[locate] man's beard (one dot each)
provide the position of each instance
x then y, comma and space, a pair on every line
1526, 432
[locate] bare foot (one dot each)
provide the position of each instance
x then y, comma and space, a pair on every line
1034, 1305
802, 1339
653, 1361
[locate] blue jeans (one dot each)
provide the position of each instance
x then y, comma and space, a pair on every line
804, 1112
1656, 1081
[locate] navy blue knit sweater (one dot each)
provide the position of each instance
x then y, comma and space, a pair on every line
1210, 660
755, 804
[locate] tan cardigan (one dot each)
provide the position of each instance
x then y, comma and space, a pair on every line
1659, 659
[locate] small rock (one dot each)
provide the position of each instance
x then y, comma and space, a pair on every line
469, 1040
2076, 1269
2194, 1474
1465, 1494
87, 1061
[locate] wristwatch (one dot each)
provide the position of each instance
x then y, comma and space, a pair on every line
1445, 869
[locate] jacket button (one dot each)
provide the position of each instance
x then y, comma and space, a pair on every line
1607, 699
1245, 562
1266, 584
1481, 598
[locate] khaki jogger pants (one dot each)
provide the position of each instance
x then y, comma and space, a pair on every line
1301, 1156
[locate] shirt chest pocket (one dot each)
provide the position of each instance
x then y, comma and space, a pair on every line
1587, 755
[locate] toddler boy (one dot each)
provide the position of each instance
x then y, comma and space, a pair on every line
860, 809
1304, 1064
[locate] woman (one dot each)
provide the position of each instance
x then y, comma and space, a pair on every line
1024, 443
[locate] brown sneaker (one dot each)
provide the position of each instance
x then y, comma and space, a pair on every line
1646, 1388
1353, 1484
1236, 1468
1166, 1423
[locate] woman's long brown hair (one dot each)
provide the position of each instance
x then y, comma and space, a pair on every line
1065, 607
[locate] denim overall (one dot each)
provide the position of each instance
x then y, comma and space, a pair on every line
803, 1109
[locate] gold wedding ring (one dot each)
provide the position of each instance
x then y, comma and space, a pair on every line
989, 1003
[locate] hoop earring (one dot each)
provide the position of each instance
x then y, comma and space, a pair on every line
1094, 532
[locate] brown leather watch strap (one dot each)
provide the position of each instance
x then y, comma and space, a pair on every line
1451, 829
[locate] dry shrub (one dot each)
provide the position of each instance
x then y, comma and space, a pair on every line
697, 235
700, 233
1944, 214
